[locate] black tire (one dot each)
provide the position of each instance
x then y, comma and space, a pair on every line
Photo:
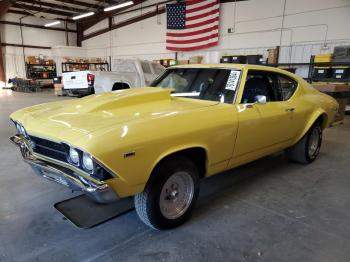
148, 203
301, 152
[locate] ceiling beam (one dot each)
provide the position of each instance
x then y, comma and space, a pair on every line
46, 4
26, 46
37, 26
113, 2
91, 21
4, 7
43, 10
127, 22
19, 12
79, 3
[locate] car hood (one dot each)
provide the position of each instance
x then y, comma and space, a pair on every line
74, 118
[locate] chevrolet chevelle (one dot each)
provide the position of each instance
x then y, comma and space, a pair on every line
156, 143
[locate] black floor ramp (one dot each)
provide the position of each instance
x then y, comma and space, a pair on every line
85, 213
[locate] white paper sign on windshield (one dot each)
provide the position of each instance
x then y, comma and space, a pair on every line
232, 81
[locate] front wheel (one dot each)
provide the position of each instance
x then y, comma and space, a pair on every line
308, 148
169, 197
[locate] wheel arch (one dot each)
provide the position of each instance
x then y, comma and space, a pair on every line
318, 116
197, 154
120, 85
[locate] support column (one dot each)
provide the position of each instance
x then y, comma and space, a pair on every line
2, 69
4, 6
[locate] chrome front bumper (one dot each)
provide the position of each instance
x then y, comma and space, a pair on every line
100, 193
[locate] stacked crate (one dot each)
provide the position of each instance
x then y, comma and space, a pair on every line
322, 72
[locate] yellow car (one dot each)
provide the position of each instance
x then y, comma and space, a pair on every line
156, 143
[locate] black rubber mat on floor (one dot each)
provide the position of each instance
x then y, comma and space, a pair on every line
85, 213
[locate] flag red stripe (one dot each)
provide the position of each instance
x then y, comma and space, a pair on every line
195, 40
191, 48
193, 2
206, 30
212, 12
203, 23
200, 7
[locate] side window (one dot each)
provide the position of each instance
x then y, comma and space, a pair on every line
259, 83
146, 68
157, 68
286, 87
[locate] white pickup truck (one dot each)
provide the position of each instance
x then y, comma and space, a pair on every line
128, 73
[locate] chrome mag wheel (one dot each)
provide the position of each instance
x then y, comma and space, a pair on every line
176, 195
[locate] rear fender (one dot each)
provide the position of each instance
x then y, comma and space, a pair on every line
318, 115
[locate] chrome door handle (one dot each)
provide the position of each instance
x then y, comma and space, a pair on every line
290, 109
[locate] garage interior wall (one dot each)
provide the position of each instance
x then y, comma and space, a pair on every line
302, 28
11, 34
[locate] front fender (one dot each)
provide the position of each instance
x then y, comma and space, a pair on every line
173, 150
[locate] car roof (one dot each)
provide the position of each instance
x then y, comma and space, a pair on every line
234, 66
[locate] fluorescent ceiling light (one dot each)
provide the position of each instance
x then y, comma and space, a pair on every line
83, 15
118, 6
52, 23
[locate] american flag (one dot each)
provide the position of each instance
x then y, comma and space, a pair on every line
192, 25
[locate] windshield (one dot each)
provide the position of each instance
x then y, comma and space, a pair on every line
201, 83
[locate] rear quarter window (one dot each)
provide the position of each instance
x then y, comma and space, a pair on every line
146, 68
286, 87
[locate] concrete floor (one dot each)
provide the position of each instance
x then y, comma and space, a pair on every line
269, 210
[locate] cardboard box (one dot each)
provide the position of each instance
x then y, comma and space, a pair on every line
58, 89
272, 56
32, 60
182, 62
323, 58
196, 59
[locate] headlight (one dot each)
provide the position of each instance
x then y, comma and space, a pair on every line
23, 131
74, 156
88, 163
18, 127
85, 162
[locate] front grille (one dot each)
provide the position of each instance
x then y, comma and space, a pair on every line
49, 148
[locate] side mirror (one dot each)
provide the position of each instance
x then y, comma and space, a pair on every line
260, 99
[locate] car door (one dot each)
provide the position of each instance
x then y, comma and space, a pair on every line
263, 126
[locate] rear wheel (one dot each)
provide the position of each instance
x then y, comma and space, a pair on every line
169, 197
308, 148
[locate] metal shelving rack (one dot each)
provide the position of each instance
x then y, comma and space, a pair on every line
312, 66
75, 66
41, 71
